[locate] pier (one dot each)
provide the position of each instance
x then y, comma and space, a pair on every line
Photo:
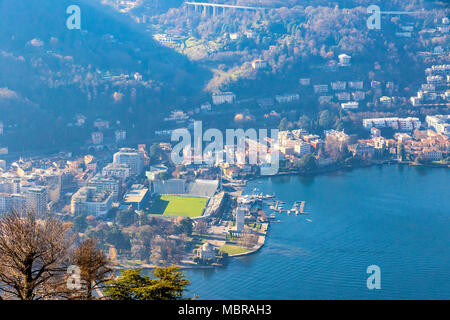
297, 208
302, 207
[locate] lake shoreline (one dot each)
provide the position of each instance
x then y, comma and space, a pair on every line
395, 217
326, 170
261, 243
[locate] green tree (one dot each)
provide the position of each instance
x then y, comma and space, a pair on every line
154, 152
126, 218
167, 284
163, 176
401, 152
117, 238
343, 124
325, 119
283, 124
304, 122
306, 163
79, 223
185, 226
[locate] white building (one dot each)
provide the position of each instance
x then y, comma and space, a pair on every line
119, 171
36, 199
339, 85
423, 95
80, 120
428, 87
358, 95
305, 81
440, 123
108, 184
177, 115
5, 202
259, 64
101, 124
206, 106
138, 76
120, 135
240, 219
302, 148
344, 60
402, 124
436, 79
133, 158
343, 96
10, 202
97, 137
223, 97
402, 137
325, 99
234, 36
206, 252
288, 97
90, 201
155, 171
340, 135
356, 85
432, 154
415, 101
439, 69
350, 105
386, 101
320, 88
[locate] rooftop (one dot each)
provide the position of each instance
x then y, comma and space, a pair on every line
136, 195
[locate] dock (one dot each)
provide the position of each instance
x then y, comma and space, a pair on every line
297, 208
302, 207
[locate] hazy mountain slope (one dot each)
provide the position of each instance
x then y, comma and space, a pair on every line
62, 72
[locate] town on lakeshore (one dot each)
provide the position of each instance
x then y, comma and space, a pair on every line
147, 211
87, 135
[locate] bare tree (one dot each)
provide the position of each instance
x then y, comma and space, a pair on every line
33, 255
94, 267
249, 238
335, 146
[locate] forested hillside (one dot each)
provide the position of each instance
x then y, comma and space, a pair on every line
50, 73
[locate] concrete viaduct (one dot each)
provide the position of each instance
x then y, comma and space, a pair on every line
206, 7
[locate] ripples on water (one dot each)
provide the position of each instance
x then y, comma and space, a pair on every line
394, 217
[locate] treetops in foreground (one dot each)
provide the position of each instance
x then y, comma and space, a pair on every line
40, 261
168, 284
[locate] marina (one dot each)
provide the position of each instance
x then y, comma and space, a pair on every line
297, 208
327, 256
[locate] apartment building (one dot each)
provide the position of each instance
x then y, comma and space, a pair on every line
133, 158
402, 124
90, 201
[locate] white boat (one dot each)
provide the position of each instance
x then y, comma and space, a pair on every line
309, 220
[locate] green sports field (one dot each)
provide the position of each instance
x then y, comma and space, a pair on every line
176, 206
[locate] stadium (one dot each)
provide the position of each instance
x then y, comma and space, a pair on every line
182, 198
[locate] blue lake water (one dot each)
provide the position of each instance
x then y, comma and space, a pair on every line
396, 217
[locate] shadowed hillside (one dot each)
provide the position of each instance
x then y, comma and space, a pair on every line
63, 72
